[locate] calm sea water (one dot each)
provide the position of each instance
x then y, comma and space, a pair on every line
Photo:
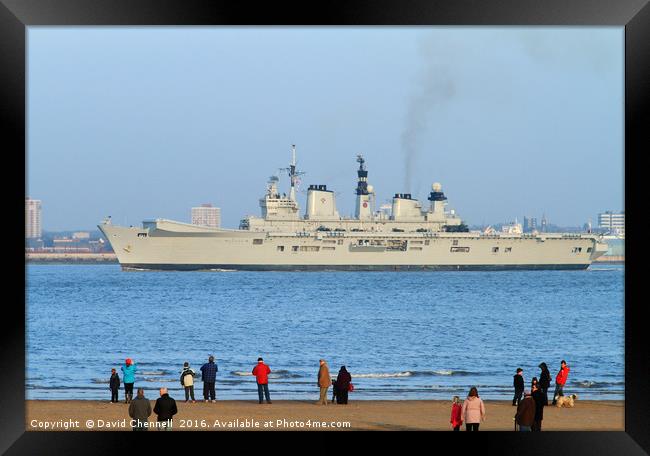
402, 335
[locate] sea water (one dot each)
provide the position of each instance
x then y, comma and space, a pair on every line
402, 335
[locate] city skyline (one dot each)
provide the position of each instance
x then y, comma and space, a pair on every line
143, 123
576, 224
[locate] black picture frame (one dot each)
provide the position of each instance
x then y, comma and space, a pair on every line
634, 15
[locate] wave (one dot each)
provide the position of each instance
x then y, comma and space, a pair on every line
383, 375
274, 374
156, 372
158, 379
592, 384
443, 372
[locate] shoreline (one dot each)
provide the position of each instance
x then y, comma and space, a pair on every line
587, 415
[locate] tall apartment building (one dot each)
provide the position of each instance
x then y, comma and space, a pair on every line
33, 229
612, 221
206, 215
530, 224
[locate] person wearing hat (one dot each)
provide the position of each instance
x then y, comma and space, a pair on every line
261, 372
114, 385
518, 383
128, 375
525, 416
209, 377
187, 380
324, 381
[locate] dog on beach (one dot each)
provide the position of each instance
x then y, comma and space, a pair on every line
566, 401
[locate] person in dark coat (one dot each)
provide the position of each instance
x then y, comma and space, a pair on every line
544, 381
114, 385
525, 416
140, 411
209, 376
518, 383
540, 402
165, 408
343, 381
334, 391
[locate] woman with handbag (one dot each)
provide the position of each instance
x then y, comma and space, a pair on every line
343, 383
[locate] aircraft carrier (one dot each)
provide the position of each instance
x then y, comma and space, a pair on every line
408, 236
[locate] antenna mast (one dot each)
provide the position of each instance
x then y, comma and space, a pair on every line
293, 173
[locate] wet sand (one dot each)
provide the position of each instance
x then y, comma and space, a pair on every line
304, 415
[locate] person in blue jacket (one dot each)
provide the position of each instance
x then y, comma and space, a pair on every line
128, 377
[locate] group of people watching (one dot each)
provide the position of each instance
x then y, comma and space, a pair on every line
165, 407
530, 409
543, 384
529, 416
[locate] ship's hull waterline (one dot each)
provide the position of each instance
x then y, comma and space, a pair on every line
169, 245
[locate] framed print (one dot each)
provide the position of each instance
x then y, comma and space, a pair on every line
363, 216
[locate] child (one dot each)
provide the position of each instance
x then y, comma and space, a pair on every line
456, 417
187, 380
518, 383
114, 385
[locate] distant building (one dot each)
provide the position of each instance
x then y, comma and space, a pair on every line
511, 228
544, 224
206, 215
33, 229
612, 221
81, 235
530, 224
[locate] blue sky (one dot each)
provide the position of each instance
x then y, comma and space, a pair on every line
147, 122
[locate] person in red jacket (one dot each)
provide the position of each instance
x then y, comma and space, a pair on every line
456, 413
261, 372
560, 381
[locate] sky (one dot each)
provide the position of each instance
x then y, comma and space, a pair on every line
142, 123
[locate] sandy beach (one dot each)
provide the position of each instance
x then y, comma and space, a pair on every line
303, 415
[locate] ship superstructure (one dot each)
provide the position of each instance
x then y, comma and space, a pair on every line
406, 237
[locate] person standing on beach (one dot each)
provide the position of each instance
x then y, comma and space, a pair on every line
560, 381
544, 381
261, 372
128, 375
540, 401
114, 385
525, 415
140, 411
473, 411
165, 408
343, 381
324, 381
209, 376
518, 383
187, 380
456, 413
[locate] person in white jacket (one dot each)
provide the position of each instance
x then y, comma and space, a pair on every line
473, 411
187, 380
